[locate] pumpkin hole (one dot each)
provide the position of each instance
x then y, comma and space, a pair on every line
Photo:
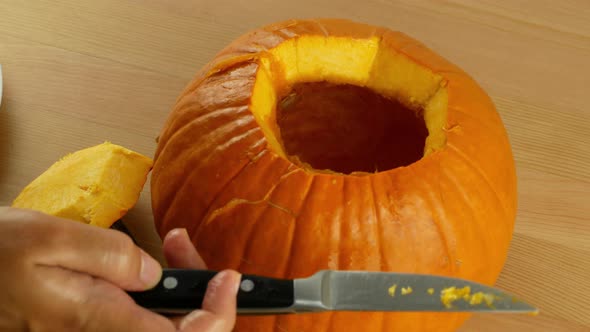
346, 128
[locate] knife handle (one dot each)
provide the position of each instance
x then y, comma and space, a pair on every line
182, 290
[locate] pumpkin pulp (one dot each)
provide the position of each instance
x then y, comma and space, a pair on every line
318, 80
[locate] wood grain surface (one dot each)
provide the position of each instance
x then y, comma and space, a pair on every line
79, 72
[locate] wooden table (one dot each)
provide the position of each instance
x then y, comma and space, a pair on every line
79, 72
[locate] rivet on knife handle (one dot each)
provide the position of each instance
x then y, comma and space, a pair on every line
181, 291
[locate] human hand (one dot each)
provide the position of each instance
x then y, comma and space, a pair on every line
219, 304
61, 275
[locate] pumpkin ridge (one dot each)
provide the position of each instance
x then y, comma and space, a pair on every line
260, 224
231, 63
435, 219
283, 29
275, 323
188, 179
205, 116
202, 77
165, 140
234, 202
482, 174
464, 197
210, 215
330, 322
234, 140
470, 115
282, 208
288, 272
381, 320
339, 217
278, 326
377, 227
238, 138
219, 201
290, 250
261, 153
250, 230
259, 49
187, 101
241, 111
275, 186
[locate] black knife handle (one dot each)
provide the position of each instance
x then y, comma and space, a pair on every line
182, 290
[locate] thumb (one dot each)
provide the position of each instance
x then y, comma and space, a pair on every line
218, 312
180, 252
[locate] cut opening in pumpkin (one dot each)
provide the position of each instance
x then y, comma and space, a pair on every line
346, 128
328, 76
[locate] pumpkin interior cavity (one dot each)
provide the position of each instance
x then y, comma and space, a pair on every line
310, 66
347, 128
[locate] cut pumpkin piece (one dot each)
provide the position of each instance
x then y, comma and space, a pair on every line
97, 185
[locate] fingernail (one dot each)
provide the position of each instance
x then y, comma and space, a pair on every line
184, 233
151, 271
178, 232
183, 230
237, 283
223, 276
218, 279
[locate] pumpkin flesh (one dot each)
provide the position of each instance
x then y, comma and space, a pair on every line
336, 60
225, 170
96, 185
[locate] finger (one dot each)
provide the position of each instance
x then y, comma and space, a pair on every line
220, 297
180, 252
120, 313
76, 301
102, 253
218, 312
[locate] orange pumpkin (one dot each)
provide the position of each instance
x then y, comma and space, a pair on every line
330, 144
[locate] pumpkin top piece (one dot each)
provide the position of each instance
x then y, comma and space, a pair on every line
96, 185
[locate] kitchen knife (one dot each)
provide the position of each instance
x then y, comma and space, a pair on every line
182, 290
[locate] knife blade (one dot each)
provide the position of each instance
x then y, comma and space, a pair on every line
182, 290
